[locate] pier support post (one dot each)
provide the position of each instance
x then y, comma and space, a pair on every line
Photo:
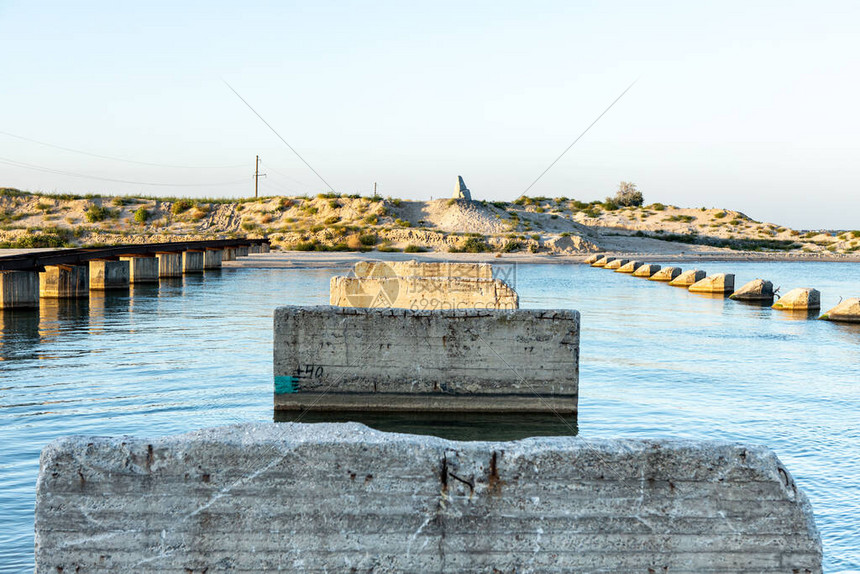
212, 258
141, 268
19, 289
229, 254
264, 248
242, 251
192, 261
108, 274
64, 282
169, 263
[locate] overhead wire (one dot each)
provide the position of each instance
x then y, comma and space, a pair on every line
112, 158
44, 169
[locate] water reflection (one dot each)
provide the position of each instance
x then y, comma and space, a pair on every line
452, 426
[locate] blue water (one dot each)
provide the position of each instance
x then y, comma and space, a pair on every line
655, 361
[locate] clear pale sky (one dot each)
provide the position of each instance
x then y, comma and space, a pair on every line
744, 105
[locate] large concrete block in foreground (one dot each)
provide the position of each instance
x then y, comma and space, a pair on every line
422, 293
333, 358
344, 498
414, 268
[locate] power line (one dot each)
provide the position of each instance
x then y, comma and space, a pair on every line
579, 138
279, 136
116, 158
282, 174
34, 167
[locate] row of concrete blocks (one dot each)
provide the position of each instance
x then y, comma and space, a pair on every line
23, 289
757, 290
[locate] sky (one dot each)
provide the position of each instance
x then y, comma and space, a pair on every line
742, 105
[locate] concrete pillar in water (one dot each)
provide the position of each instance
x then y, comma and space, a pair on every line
616, 264
666, 274
19, 289
800, 299
687, 278
592, 258
64, 282
847, 311
192, 261
756, 290
169, 263
108, 274
629, 267
212, 258
242, 251
720, 283
264, 248
602, 261
141, 268
229, 254
647, 270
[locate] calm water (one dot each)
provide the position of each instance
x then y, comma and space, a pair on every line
656, 361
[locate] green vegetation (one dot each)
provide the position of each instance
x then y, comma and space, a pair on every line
181, 206
331, 220
628, 195
415, 249
719, 215
475, 244
96, 213
141, 215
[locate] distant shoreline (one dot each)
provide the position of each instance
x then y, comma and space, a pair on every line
319, 260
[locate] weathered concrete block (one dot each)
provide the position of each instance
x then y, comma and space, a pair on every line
666, 274
107, 274
229, 254
423, 269
169, 264
592, 258
755, 290
719, 283
344, 498
647, 270
264, 248
64, 282
19, 289
629, 267
847, 311
212, 258
422, 293
616, 263
602, 261
192, 261
800, 299
396, 359
242, 250
141, 269
687, 278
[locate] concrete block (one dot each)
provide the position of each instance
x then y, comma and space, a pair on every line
687, 278
423, 269
666, 274
647, 270
755, 290
847, 311
192, 261
242, 251
228, 254
64, 282
421, 293
719, 283
264, 248
107, 274
19, 289
212, 258
616, 263
169, 264
629, 267
141, 269
396, 359
297, 497
592, 258
602, 261
800, 299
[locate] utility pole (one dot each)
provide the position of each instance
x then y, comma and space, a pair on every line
257, 176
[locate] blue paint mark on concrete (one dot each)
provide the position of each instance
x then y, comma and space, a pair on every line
285, 385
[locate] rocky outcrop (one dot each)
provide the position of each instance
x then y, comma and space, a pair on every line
719, 283
687, 278
847, 311
800, 299
756, 290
